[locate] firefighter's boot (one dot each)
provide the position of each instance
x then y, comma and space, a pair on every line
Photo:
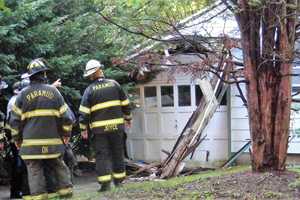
105, 187
118, 182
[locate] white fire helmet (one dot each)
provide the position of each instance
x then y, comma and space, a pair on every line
91, 67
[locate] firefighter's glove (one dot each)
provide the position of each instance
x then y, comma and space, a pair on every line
84, 135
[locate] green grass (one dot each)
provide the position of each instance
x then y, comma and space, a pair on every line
174, 182
143, 189
295, 184
296, 169
272, 195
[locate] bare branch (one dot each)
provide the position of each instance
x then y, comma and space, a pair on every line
223, 80
242, 96
141, 33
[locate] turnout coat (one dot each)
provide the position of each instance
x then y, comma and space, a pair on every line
40, 118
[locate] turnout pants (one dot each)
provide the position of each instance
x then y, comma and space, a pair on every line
18, 182
109, 149
46, 174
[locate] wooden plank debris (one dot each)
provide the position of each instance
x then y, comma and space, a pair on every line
213, 91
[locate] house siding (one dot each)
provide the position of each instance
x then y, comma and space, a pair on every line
240, 133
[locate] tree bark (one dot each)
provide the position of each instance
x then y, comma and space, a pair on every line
267, 38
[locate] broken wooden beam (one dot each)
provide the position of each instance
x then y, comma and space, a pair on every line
191, 135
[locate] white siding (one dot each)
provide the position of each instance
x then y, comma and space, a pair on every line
240, 125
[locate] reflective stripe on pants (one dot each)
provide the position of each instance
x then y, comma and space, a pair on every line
119, 175
105, 178
43, 196
65, 191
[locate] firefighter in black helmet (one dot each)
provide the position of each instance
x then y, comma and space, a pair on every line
104, 109
42, 123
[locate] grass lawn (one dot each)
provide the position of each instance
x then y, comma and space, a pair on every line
232, 183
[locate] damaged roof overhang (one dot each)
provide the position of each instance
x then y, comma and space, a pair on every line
210, 24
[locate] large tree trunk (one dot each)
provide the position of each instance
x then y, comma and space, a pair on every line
269, 103
268, 43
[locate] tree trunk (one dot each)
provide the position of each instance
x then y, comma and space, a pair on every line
269, 118
268, 43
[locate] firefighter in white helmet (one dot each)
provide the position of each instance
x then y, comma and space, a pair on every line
104, 110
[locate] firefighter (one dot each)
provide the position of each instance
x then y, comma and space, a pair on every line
18, 178
104, 110
42, 124
3, 85
18, 174
17, 87
16, 90
2, 133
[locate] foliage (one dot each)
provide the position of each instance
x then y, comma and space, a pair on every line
151, 18
66, 33
2, 4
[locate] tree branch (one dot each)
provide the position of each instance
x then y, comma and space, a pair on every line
242, 96
131, 31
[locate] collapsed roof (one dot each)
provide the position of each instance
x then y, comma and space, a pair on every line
213, 22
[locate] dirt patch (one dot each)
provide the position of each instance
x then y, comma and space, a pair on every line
242, 186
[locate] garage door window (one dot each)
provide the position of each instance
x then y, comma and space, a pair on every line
150, 97
184, 95
198, 94
167, 96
